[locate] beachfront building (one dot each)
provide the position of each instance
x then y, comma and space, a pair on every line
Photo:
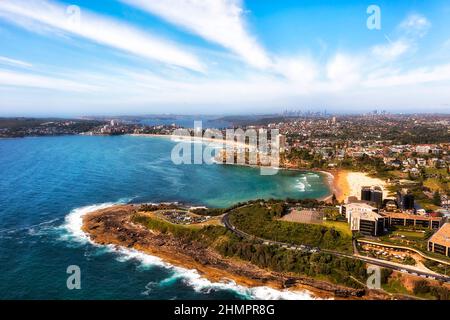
405, 200
373, 194
440, 241
283, 144
390, 205
411, 220
363, 218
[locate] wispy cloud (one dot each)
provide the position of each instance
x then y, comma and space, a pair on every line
10, 78
412, 77
220, 21
102, 30
415, 25
14, 62
391, 50
379, 74
343, 71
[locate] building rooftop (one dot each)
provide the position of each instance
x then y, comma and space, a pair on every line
360, 205
402, 215
369, 215
442, 236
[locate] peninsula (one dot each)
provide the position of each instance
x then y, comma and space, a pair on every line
244, 243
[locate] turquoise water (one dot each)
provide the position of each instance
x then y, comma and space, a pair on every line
47, 183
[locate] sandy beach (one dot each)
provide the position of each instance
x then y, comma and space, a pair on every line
214, 141
349, 183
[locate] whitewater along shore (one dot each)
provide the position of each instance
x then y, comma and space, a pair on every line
114, 226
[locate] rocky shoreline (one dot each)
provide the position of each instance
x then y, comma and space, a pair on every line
114, 226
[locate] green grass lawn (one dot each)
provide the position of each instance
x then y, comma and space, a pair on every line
339, 226
411, 235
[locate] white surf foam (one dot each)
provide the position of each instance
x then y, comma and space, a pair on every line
203, 285
192, 278
74, 222
300, 186
33, 229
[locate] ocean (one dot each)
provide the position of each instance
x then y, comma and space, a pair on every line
48, 183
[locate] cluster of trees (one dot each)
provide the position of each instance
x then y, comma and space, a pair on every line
337, 269
259, 220
208, 211
160, 206
422, 287
436, 266
303, 158
21, 127
437, 198
204, 236
421, 134
300, 154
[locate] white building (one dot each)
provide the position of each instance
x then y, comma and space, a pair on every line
423, 149
363, 218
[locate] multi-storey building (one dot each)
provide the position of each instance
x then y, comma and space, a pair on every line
363, 218
440, 241
412, 220
373, 194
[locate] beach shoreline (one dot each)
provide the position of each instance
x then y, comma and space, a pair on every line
179, 138
349, 184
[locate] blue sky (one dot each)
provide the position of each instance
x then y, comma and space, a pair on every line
222, 56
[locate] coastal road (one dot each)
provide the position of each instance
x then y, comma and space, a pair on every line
373, 261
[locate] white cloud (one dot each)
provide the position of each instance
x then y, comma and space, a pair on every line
92, 91
14, 62
392, 50
98, 29
343, 71
409, 31
373, 77
21, 79
219, 21
413, 77
298, 69
415, 25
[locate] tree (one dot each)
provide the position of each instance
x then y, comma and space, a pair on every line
334, 199
421, 287
437, 198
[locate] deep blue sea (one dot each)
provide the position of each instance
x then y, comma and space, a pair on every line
47, 183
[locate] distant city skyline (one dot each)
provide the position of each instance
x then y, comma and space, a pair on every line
134, 57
